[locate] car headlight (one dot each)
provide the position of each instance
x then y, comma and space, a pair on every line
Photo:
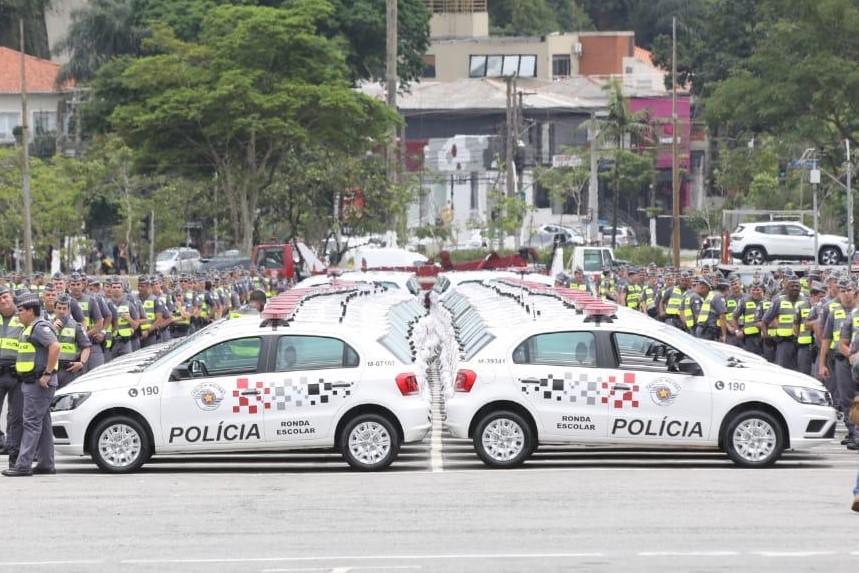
69, 401
809, 395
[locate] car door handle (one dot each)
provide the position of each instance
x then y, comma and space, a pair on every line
621, 387
250, 392
530, 381
340, 385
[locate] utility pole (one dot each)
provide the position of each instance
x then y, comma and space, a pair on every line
593, 183
849, 206
814, 178
391, 43
508, 155
25, 162
152, 242
675, 167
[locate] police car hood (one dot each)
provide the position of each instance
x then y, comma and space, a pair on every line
107, 377
768, 373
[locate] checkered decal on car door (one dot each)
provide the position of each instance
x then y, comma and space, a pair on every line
584, 388
298, 392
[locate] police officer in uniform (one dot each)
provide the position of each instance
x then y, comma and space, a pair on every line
93, 320
710, 321
36, 364
830, 336
805, 343
747, 329
10, 332
848, 345
127, 319
74, 343
782, 316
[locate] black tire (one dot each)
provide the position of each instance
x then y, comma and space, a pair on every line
120, 445
518, 437
753, 439
369, 457
754, 256
830, 256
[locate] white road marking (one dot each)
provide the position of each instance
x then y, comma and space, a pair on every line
341, 569
436, 460
49, 563
362, 558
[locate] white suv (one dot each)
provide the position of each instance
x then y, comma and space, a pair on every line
181, 260
757, 243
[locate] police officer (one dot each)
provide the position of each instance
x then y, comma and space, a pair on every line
579, 282
93, 320
732, 302
10, 332
710, 321
163, 309
782, 316
256, 302
830, 335
127, 319
36, 364
75, 345
671, 302
747, 329
805, 343
630, 294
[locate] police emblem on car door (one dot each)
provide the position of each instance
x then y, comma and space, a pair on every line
657, 396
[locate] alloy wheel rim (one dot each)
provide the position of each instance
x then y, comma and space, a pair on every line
370, 443
503, 439
119, 445
755, 439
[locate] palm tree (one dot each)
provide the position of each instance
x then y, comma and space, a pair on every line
619, 125
100, 31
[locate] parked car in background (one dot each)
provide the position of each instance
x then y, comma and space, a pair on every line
757, 243
178, 260
546, 235
624, 236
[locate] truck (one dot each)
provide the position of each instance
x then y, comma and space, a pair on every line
592, 259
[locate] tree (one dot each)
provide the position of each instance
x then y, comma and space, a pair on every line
620, 125
801, 78
259, 84
565, 182
100, 31
537, 17
35, 29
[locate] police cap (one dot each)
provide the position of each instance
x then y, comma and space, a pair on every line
4, 290
27, 300
143, 280
703, 281
845, 284
93, 281
75, 278
58, 276
817, 286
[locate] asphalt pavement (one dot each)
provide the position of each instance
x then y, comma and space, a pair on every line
439, 509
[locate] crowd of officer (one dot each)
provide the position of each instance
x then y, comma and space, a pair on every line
808, 324
52, 331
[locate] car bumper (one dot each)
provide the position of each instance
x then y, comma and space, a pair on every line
458, 414
69, 434
416, 421
815, 426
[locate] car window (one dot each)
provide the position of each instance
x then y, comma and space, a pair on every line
795, 231
237, 356
557, 349
769, 229
313, 353
273, 258
639, 352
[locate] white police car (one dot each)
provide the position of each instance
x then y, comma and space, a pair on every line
311, 372
562, 371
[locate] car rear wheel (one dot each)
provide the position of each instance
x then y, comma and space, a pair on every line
754, 439
120, 445
754, 256
503, 439
830, 256
369, 442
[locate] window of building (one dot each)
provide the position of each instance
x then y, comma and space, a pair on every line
44, 122
429, 66
503, 66
8, 122
561, 67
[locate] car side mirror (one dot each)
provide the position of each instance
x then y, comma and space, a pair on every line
181, 372
689, 366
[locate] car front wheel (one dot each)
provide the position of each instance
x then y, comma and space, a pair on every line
830, 256
369, 442
754, 256
120, 445
754, 439
503, 439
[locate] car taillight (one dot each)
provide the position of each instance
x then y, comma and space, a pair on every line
408, 384
465, 379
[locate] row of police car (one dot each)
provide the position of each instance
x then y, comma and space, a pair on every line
348, 364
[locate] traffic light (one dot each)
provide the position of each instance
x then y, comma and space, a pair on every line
146, 227
782, 169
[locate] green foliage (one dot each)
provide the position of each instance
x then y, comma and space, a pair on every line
643, 255
765, 192
260, 85
537, 17
565, 183
506, 216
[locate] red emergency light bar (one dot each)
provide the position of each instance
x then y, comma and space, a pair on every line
284, 306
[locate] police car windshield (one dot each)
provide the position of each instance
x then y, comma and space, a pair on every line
170, 350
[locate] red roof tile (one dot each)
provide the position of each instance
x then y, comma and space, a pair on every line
41, 74
643, 55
